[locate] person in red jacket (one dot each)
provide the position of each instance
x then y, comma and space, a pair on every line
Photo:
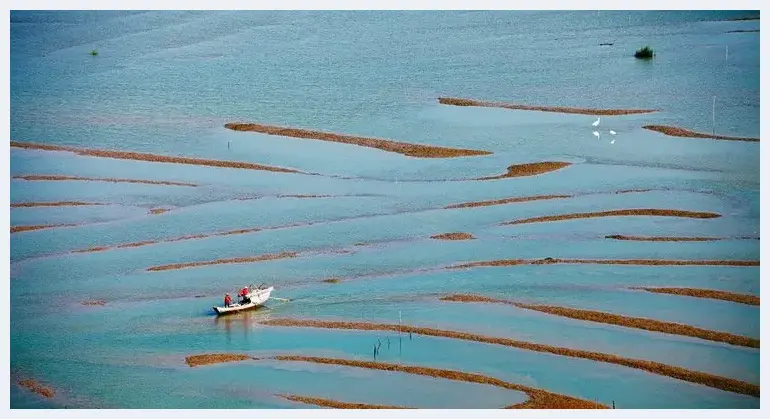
228, 300
244, 295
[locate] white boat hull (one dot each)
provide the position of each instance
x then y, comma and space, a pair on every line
258, 298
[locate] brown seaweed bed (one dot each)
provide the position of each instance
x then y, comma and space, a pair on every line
93, 303
645, 262
407, 149
559, 109
171, 240
52, 204
538, 399
705, 293
336, 404
20, 229
518, 199
686, 133
617, 213
102, 179
710, 380
662, 238
130, 155
505, 201
35, 387
207, 359
453, 236
247, 259
619, 320
529, 169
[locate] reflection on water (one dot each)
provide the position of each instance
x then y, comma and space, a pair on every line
243, 321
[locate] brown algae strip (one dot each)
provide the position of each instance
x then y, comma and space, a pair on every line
617, 213
619, 320
559, 109
518, 199
453, 236
52, 204
93, 303
706, 293
698, 377
686, 133
175, 239
207, 359
407, 149
101, 179
35, 387
247, 259
130, 155
19, 229
529, 169
334, 404
641, 262
506, 201
662, 238
538, 399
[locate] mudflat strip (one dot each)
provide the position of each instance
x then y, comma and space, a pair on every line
686, 133
617, 213
517, 199
171, 240
52, 204
207, 359
705, 293
334, 404
36, 387
101, 179
538, 399
453, 236
407, 149
662, 238
698, 377
647, 262
529, 169
130, 155
559, 109
506, 201
247, 259
93, 303
20, 229
619, 320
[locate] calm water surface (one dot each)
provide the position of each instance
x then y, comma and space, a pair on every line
166, 82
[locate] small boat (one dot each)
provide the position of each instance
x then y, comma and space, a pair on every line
257, 297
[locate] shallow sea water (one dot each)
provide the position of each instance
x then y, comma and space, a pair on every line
166, 83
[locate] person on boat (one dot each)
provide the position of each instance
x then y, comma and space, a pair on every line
244, 294
228, 300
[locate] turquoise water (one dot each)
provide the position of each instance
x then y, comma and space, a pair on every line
166, 82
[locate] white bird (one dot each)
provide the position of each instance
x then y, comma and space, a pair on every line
596, 123
612, 142
613, 132
596, 134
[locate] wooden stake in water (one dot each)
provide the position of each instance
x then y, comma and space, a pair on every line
399, 332
713, 116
